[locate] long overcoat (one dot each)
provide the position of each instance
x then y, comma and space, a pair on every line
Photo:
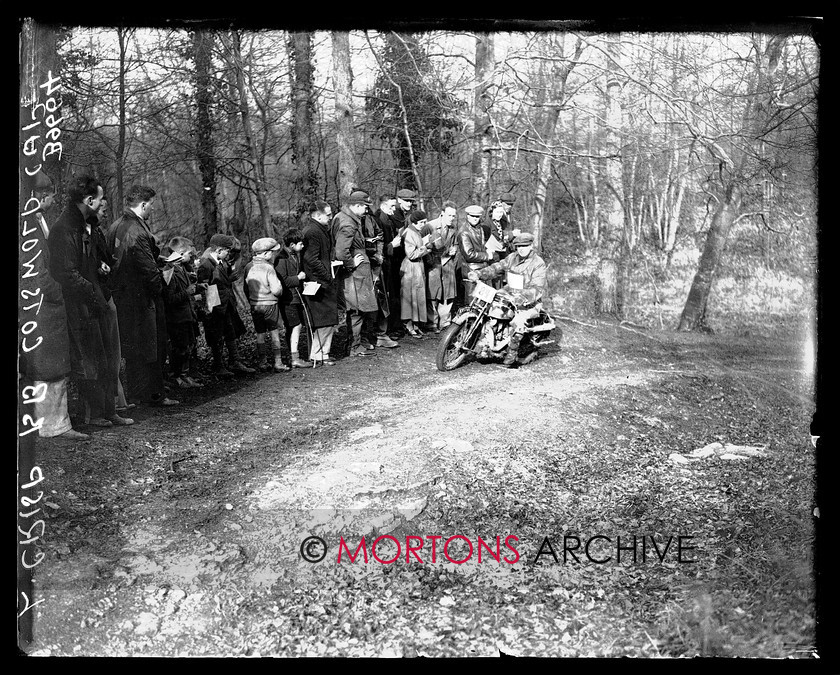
49, 359
413, 277
74, 262
440, 266
359, 293
317, 258
137, 285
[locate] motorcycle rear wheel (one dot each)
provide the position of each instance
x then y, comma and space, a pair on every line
449, 354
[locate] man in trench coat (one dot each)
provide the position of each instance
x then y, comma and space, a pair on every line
355, 272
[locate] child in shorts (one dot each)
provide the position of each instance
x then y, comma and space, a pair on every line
263, 288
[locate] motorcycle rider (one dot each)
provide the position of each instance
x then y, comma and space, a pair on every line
526, 273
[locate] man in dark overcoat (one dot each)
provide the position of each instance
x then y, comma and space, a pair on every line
137, 285
355, 272
75, 264
375, 245
391, 251
317, 264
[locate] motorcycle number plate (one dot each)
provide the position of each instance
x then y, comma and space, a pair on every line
484, 292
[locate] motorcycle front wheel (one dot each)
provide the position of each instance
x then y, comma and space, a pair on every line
449, 354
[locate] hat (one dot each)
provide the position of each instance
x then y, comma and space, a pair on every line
358, 197
474, 210
407, 195
222, 241
523, 239
507, 197
265, 244
417, 216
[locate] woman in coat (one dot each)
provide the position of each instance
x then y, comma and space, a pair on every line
413, 275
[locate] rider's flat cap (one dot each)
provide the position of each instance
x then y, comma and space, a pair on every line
523, 239
507, 198
474, 210
407, 195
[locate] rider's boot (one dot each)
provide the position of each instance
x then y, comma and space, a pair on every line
512, 351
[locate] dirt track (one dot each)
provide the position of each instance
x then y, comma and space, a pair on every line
181, 535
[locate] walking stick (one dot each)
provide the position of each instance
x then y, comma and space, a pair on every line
308, 323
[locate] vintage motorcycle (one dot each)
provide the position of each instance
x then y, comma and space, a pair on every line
483, 330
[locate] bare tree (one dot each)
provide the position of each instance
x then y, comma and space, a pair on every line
303, 157
257, 168
551, 96
485, 66
732, 171
202, 43
611, 271
343, 84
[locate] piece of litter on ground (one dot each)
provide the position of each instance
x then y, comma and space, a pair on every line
729, 455
677, 458
721, 449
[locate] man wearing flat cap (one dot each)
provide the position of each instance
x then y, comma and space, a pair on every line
471, 251
406, 203
355, 273
525, 272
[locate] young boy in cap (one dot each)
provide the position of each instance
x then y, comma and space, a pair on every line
530, 270
262, 286
179, 293
222, 325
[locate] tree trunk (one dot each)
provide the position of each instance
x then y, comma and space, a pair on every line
202, 42
303, 158
257, 168
693, 314
119, 159
343, 84
611, 272
485, 65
